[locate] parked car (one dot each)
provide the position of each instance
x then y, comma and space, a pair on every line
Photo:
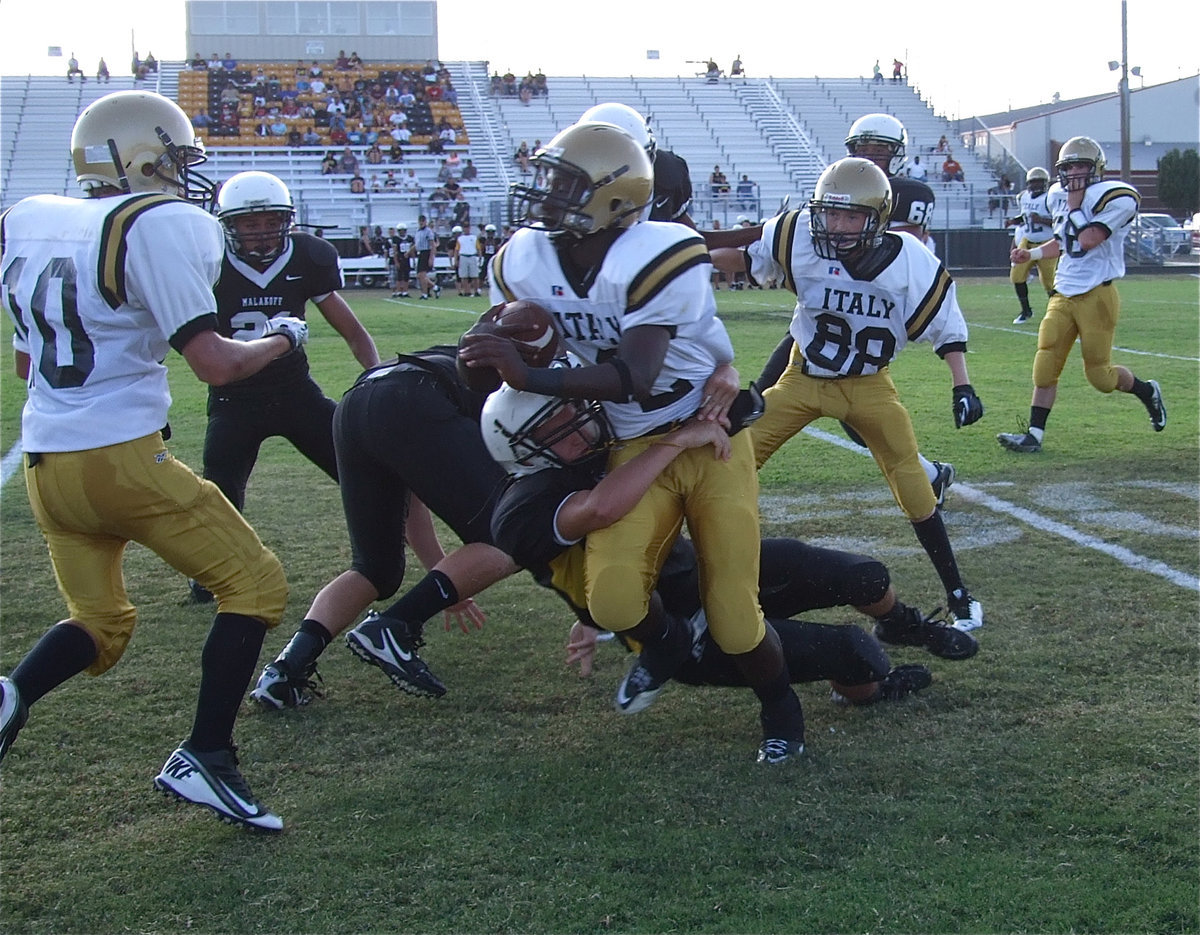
1154, 237
1194, 226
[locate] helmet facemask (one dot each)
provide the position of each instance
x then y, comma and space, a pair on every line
527, 433
837, 234
257, 237
193, 187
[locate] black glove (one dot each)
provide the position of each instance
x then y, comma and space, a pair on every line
968, 408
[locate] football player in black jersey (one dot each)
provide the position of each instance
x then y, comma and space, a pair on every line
268, 271
408, 442
672, 180
558, 494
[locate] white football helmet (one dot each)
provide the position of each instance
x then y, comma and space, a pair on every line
521, 429
628, 119
595, 177
257, 194
879, 129
139, 141
850, 184
456, 229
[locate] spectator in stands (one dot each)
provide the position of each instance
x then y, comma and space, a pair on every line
496, 86
402, 134
398, 118
198, 63
897, 70
951, 170
712, 71
375, 155
376, 184
451, 187
229, 63
510, 84
317, 85
151, 63
73, 69
539, 84
342, 63
102, 71
395, 154
358, 185
745, 193
449, 94
280, 128
718, 182
311, 137
469, 172
295, 137
263, 128
329, 165
214, 62
521, 157
315, 70
390, 182
943, 145
462, 209
435, 147
444, 173
447, 135
916, 170
201, 120
735, 70
409, 183
355, 61
347, 162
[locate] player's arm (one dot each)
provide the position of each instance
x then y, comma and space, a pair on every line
21, 363
217, 360
618, 492
1048, 250
346, 323
967, 406
734, 237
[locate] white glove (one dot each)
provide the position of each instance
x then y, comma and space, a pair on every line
294, 329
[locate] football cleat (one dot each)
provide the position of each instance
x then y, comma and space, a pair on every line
278, 688
13, 714
198, 594
1158, 411
390, 645
213, 780
1022, 318
638, 689
941, 483
902, 681
940, 638
775, 750
1023, 442
966, 611
437, 291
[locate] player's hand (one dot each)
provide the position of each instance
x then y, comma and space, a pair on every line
581, 647
294, 329
1018, 255
968, 408
464, 613
720, 390
696, 433
496, 351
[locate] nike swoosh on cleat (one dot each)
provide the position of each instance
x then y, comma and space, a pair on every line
390, 642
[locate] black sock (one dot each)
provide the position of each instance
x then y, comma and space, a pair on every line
1142, 390
305, 646
433, 593
226, 666
1023, 297
781, 715
64, 651
1038, 416
932, 535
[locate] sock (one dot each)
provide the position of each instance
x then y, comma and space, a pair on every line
931, 533
1037, 421
64, 651
1142, 390
1023, 296
305, 646
782, 715
226, 666
432, 594
927, 465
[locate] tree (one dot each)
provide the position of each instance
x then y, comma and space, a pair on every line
1179, 181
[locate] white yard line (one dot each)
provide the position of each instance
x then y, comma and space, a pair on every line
1125, 556
975, 326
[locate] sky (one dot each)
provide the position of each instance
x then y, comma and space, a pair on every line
962, 68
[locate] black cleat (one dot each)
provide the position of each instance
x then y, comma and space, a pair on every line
937, 636
390, 645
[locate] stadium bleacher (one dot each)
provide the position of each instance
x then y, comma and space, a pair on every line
779, 132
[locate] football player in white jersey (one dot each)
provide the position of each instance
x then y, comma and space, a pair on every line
100, 290
632, 300
862, 294
1032, 228
1091, 218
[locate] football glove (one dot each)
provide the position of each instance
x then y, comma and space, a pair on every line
294, 329
968, 408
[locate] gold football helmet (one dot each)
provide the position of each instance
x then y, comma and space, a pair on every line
849, 185
139, 141
590, 177
879, 130
1037, 180
1080, 149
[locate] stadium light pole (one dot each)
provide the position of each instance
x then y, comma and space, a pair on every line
1126, 168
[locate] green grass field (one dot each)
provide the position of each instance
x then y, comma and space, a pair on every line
1047, 785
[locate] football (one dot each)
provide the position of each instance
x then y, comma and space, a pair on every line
532, 329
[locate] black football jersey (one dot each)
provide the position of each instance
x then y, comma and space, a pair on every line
912, 203
247, 299
672, 187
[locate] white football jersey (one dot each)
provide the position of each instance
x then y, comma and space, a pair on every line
1110, 204
849, 327
100, 289
1031, 207
655, 273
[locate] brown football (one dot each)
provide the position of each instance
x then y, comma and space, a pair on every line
532, 330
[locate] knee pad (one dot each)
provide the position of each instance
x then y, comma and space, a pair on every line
616, 598
1102, 376
111, 634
